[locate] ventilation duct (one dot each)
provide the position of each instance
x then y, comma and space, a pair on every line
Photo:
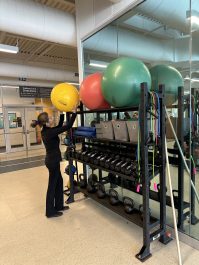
127, 43
31, 19
38, 73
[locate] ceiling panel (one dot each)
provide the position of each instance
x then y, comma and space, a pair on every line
63, 5
33, 50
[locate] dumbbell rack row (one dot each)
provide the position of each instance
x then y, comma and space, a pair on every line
149, 234
93, 166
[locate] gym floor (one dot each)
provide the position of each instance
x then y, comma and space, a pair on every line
87, 234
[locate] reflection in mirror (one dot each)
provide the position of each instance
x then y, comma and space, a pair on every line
162, 33
193, 17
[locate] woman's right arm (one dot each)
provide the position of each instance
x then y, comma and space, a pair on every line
61, 121
57, 130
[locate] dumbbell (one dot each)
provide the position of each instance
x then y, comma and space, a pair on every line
82, 181
119, 164
83, 154
92, 181
96, 160
141, 211
93, 156
87, 157
125, 164
101, 193
109, 160
128, 205
113, 197
131, 169
103, 160
114, 162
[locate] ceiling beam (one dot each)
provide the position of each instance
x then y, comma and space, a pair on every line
35, 51
2, 37
45, 51
66, 3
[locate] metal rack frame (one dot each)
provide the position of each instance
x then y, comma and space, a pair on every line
149, 223
182, 205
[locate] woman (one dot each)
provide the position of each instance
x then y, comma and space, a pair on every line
54, 196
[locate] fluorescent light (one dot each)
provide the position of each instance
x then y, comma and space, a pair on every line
99, 64
73, 83
194, 20
9, 86
187, 78
8, 48
193, 16
192, 80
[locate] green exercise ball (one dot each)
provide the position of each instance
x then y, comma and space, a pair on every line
121, 82
168, 76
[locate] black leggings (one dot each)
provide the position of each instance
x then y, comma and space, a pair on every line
54, 196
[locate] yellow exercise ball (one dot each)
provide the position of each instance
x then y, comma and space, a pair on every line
65, 97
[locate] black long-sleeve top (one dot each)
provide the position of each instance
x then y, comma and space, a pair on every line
51, 139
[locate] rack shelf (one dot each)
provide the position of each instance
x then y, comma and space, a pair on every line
110, 110
119, 209
104, 140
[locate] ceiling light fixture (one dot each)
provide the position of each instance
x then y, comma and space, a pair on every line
9, 48
9, 86
193, 17
98, 64
73, 83
192, 79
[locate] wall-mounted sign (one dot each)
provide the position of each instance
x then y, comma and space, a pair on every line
34, 92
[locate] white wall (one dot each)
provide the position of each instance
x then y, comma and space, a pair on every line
94, 14
10, 95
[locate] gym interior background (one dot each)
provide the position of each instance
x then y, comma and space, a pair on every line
156, 32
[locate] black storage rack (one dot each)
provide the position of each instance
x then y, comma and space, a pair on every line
185, 209
152, 228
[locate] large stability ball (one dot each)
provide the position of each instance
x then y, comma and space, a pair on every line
121, 81
65, 97
168, 76
91, 92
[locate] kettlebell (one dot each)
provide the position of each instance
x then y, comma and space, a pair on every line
82, 181
128, 205
113, 197
101, 191
91, 186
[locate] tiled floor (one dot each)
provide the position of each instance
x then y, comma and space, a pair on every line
87, 234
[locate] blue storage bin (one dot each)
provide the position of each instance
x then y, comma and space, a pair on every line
85, 133
88, 129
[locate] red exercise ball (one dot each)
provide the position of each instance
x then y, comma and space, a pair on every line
91, 92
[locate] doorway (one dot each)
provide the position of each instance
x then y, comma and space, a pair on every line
19, 135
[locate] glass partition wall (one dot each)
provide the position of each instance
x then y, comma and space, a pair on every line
193, 77
161, 32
